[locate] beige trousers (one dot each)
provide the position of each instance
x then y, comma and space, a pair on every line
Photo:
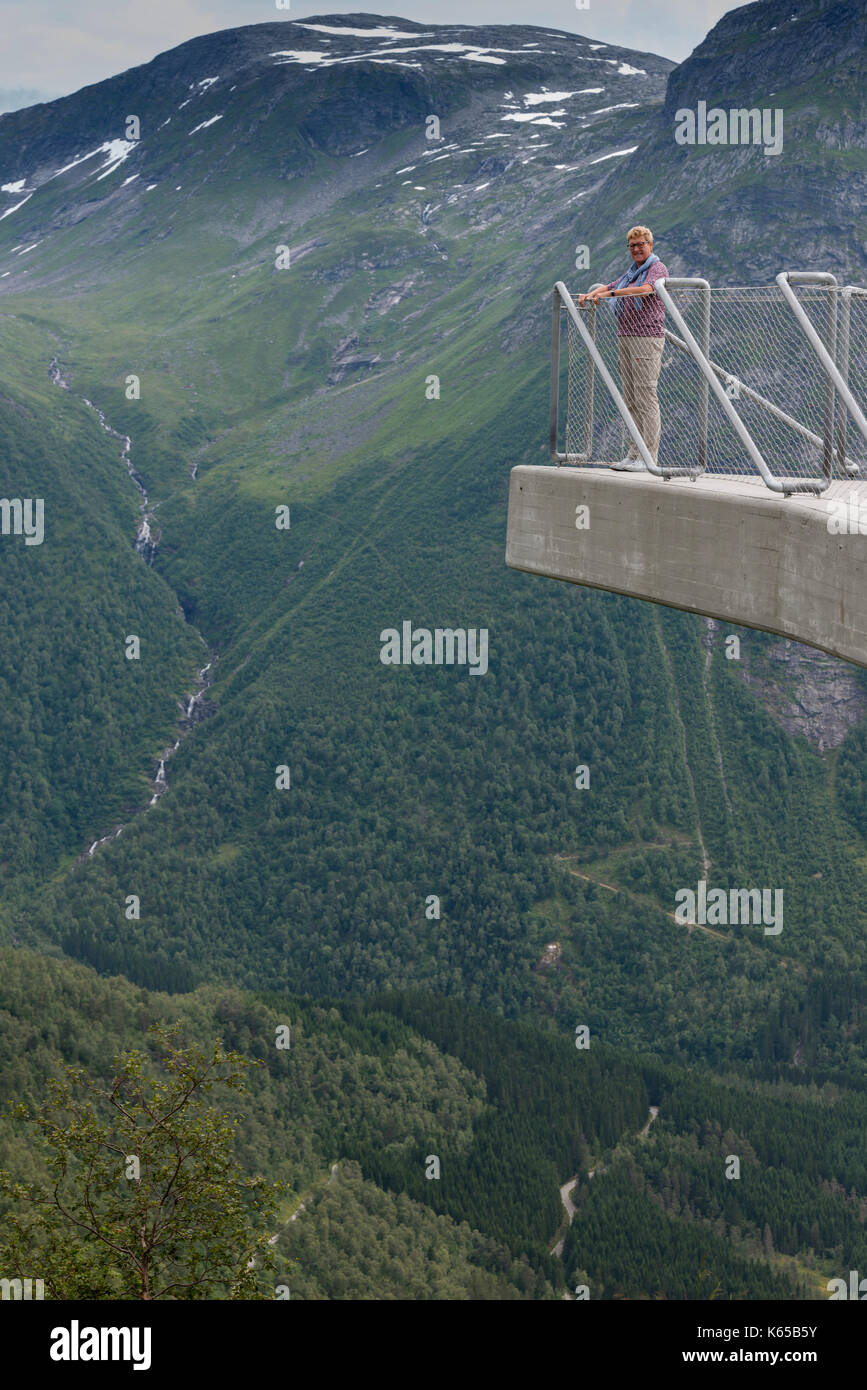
640, 360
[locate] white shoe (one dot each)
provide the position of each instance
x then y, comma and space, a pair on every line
630, 465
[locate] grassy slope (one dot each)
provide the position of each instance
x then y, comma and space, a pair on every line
82, 725
398, 507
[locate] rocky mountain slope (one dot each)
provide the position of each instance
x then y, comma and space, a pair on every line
289, 297
313, 330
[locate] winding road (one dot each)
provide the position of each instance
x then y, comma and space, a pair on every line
568, 1188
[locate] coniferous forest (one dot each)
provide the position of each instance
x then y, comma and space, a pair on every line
269, 364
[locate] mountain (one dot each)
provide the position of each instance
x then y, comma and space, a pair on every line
747, 215
265, 386
325, 337
239, 122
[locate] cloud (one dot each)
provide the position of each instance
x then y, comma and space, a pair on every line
59, 50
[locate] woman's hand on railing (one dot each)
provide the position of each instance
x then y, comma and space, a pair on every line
592, 296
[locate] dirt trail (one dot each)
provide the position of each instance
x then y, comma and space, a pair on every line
613, 888
654, 1111
569, 1186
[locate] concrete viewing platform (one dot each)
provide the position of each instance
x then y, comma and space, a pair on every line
724, 546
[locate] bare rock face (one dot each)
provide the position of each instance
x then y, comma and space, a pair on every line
390, 296
810, 693
347, 359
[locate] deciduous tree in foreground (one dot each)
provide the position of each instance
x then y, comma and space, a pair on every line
145, 1198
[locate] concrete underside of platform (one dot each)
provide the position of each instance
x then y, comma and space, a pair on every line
722, 546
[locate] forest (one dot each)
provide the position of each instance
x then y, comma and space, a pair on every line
511, 1110
439, 881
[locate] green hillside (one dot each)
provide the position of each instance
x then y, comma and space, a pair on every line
349, 1114
432, 896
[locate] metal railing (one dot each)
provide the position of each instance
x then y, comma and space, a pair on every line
831, 357
758, 382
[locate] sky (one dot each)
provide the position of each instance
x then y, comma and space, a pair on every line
50, 48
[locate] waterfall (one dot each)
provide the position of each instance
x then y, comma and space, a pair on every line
145, 544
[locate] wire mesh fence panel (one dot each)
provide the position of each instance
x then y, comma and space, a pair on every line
579, 382
609, 438
594, 427
694, 433
765, 365
777, 384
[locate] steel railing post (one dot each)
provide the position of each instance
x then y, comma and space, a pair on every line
555, 379
831, 331
703, 390
843, 366
591, 382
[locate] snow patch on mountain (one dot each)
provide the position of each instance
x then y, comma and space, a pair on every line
9, 211
117, 151
533, 117
536, 98
615, 154
375, 33
74, 163
472, 52
204, 124
299, 55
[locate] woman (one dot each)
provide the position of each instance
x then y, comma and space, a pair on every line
640, 340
